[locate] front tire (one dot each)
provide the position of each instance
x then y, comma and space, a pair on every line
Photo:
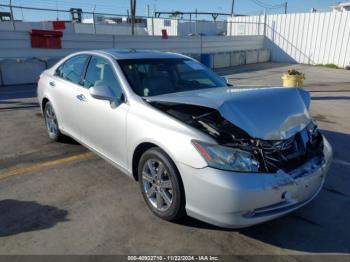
161, 185
52, 123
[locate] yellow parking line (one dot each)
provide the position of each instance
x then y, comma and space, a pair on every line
43, 165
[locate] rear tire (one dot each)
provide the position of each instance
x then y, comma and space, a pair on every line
52, 123
161, 185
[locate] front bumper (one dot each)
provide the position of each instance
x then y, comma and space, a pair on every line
234, 200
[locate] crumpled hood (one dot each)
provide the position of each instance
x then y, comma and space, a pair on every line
270, 113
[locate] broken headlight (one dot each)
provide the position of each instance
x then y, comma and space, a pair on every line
227, 158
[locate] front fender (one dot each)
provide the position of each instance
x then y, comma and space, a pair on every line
148, 125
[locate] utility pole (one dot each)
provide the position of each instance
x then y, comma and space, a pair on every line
195, 25
93, 19
154, 8
233, 8
12, 18
285, 7
265, 16
57, 18
133, 13
148, 14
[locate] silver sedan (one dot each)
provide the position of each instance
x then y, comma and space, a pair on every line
226, 155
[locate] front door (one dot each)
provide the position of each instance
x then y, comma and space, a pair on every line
102, 123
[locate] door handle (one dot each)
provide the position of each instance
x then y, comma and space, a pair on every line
81, 97
52, 83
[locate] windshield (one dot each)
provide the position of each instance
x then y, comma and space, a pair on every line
152, 77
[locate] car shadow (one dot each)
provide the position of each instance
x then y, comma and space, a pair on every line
21, 106
24, 216
249, 68
330, 97
68, 140
322, 226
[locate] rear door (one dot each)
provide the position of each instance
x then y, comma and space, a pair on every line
65, 84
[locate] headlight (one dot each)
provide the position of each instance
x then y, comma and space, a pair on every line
227, 158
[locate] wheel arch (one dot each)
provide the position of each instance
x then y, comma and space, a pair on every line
143, 147
44, 102
140, 149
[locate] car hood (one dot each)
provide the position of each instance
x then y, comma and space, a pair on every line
270, 113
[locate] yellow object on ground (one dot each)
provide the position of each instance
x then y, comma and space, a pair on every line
293, 80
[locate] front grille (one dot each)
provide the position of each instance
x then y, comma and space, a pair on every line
291, 153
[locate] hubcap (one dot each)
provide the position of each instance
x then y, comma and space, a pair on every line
157, 184
51, 121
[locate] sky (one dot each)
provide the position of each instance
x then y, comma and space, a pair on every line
247, 7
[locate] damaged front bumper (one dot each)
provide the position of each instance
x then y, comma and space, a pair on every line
231, 199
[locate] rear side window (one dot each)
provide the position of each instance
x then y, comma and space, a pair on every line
72, 69
100, 72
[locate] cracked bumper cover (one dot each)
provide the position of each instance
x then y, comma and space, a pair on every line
231, 199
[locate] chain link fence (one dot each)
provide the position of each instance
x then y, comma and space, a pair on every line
21, 18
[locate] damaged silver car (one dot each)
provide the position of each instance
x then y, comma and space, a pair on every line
229, 156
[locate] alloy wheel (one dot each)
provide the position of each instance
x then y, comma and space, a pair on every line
51, 121
157, 184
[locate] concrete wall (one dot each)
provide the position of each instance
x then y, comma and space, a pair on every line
17, 44
222, 60
109, 29
216, 44
309, 38
235, 58
14, 72
21, 72
27, 26
252, 56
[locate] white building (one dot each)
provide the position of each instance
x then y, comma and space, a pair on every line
175, 27
341, 7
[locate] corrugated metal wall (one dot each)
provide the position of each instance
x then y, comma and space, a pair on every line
310, 38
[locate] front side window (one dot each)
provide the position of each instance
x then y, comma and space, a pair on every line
72, 69
100, 73
151, 77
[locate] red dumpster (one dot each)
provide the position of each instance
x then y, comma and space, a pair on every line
164, 34
46, 39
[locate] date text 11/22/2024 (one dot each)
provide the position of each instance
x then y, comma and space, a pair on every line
173, 258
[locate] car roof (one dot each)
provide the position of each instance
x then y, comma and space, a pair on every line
120, 54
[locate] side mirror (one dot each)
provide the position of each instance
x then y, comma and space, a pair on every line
102, 92
227, 81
